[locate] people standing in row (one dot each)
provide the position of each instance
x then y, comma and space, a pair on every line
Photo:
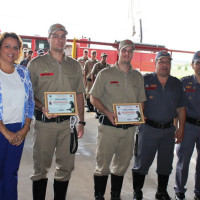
119, 84
16, 112
26, 60
191, 133
96, 69
165, 101
54, 72
82, 60
87, 78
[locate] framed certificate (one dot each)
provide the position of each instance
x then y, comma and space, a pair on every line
61, 103
128, 113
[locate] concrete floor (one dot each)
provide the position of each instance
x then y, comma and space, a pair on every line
81, 183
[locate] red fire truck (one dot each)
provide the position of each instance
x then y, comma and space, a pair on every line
143, 59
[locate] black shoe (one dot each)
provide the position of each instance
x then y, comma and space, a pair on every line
96, 116
115, 196
162, 196
91, 109
99, 196
197, 197
180, 196
138, 195
88, 110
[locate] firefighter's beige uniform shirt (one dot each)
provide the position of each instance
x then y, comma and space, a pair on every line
88, 68
114, 86
98, 67
47, 75
82, 62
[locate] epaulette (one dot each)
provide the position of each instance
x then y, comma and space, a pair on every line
186, 77
147, 74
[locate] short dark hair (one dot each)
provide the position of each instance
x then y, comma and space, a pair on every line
30, 51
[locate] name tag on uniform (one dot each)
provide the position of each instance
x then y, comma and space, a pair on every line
114, 82
190, 90
46, 74
151, 87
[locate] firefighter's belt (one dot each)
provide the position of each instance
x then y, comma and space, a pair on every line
159, 125
41, 117
193, 121
105, 121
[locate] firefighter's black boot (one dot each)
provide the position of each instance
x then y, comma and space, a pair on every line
39, 189
138, 183
116, 186
60, 189
161, 193
100, 183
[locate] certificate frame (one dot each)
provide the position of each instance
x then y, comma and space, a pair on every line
61, 103
127, 113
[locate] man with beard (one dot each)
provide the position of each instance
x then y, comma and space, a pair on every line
118, 84
54, 72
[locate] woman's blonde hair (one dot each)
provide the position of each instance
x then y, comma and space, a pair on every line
5, 35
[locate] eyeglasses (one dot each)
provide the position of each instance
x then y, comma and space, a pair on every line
197, 63
127, 51
164, 62
56, 36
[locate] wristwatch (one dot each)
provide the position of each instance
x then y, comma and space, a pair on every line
83, 123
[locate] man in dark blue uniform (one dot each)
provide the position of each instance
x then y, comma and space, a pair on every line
165, 101
191, 133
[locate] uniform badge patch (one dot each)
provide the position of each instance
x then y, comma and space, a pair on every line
46, 74
151, 87
114, 82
